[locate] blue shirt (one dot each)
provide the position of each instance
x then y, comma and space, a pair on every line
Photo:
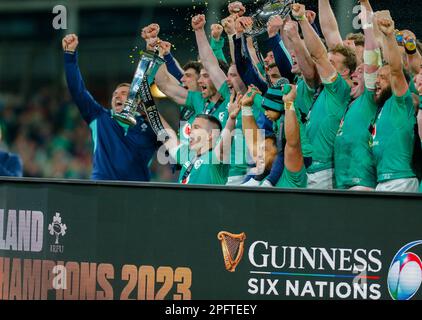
120, 153
10, 165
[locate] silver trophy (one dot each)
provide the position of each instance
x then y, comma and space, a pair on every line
260, 19
263, 14
139, 96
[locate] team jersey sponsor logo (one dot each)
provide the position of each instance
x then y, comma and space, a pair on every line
221, 116
186, 130
198, 163
232, 246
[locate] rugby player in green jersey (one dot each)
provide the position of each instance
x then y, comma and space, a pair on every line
263, 151
238, 162
354, 167
418, 84
334, 68
189, 79
393, 132
205, 160
303, 67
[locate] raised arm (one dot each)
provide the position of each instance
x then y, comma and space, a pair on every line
217, 42
281, 55
243, 60
173, 66
413, 56
372, 54
88, 107
303, 58
393, 56
328, 23
223, 148
170, 86
206, 54
293, 158
229, 27
315, 46
251, 131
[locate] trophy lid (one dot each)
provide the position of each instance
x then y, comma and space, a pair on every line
269, 9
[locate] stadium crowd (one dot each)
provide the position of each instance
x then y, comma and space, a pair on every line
317, 112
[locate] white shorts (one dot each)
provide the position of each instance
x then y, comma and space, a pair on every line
399, 185
251, 183
321, 180
235, 180
266, 184
361, 188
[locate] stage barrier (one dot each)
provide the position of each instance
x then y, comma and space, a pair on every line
86, 240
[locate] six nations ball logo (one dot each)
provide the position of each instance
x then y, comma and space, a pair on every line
405, 273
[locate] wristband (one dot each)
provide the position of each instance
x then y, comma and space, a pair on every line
247, 112
300, 18
367, 26
372, 57
289, 105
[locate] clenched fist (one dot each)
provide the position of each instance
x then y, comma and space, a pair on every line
229, 25
248, 99
310, 15
165, 47
291, 28
243, 24
70, 42
274, 24
386, 26
198, 22
216, 31
298, 11
151, 31
237, 8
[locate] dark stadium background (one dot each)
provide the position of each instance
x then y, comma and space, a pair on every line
38, 119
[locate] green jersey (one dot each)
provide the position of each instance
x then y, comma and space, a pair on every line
305, 96
239, 149
188, 116
293, 180
324, 120
218, 109
304, 141
353, 161
205, 169
412, 86
196, 105
217, 47
260, 101
393, 139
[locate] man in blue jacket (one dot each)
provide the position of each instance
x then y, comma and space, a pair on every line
120, 152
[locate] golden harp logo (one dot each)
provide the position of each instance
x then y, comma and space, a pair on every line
232, 246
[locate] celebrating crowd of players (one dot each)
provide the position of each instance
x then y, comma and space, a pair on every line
318, 112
